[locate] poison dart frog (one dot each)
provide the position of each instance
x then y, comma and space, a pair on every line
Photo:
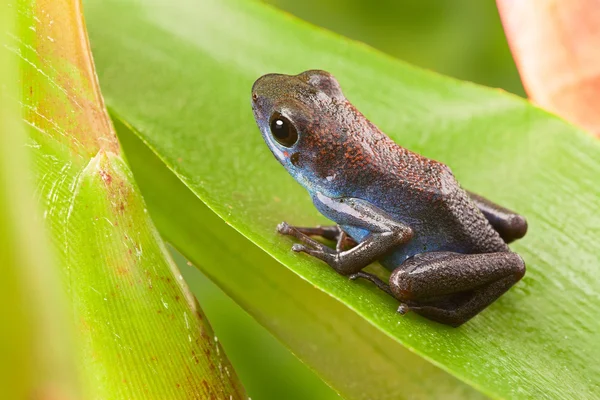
446, 247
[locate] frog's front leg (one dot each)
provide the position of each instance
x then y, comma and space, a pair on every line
385, 234
451, 288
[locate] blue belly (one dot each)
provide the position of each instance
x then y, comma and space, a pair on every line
419, 244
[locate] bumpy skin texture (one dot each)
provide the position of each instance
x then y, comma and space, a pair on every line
396, 204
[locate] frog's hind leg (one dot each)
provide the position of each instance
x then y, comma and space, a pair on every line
451, 288
509, 225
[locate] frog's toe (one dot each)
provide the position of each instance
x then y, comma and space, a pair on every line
284, 228
354, 277
320, 252
402, 309
299, 248
308, 249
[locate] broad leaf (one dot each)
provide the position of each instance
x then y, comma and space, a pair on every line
352, 356
139, 333
180, 74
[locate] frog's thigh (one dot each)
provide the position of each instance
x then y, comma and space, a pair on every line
452, 288
507, 223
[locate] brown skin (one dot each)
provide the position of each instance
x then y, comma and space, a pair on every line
446, 247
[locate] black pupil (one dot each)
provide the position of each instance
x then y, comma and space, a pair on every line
283, 130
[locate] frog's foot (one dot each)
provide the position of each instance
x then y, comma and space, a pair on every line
341, 261
330, 232
378, 282
403, 308
309, 246
321, 252
385, 237
286, 229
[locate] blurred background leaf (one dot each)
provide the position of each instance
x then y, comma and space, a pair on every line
267, 369
36, 359
459, 38
555, 44
139, 333
183, 93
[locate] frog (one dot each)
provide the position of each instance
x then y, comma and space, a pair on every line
446, 247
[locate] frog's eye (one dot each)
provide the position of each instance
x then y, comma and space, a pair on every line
283, 130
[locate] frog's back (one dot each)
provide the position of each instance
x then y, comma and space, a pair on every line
423, 194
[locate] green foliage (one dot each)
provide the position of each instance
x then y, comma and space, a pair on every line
138, 332
265, 366
36, 359
352, 356
180, 74
460, 38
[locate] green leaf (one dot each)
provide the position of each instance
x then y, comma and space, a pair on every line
180, 75
352, 356
36, 360
279, 374
139, 333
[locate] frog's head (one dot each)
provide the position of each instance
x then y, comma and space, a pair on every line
293, 113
